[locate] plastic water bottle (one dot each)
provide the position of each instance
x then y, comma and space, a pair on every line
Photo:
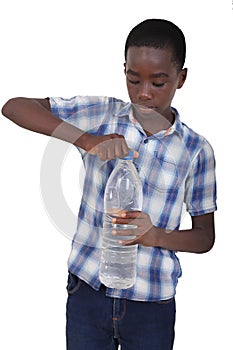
123, 192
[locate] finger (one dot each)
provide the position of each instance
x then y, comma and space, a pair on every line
135, 154
134, 214
124, 221
124, 147
121, 148
125, 233
102, 153
129, 242
110, 150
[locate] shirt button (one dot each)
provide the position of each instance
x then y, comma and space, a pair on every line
146, 141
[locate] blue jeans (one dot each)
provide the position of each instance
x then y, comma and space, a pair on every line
97, 322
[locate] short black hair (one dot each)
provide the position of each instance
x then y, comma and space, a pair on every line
159, 34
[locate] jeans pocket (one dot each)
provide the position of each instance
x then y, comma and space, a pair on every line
74, 283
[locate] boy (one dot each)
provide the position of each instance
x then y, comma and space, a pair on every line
175, 165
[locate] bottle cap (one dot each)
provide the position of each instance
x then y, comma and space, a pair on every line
131, 155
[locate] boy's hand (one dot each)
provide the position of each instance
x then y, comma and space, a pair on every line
145, 232
107, 147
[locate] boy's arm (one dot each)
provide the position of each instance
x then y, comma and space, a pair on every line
35, 115
199, 239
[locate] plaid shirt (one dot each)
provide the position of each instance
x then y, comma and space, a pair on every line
177, 170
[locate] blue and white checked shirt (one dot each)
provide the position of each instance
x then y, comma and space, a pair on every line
176, 167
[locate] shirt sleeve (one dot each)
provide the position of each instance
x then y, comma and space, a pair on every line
200, 190
84, 112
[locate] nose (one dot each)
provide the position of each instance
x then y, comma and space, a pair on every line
144, 93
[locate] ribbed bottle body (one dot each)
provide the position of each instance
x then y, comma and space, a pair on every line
123, 192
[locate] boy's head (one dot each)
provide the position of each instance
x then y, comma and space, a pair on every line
159, 34
154, 58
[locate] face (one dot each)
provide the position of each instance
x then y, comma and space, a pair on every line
152, 78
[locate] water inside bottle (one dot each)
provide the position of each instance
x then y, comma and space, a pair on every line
122, 193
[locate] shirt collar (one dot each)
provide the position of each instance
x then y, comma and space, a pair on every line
126, 110
177, 126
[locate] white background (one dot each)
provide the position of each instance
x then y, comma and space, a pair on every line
64, 48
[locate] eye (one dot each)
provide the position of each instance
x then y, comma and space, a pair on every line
158, 85
134, 82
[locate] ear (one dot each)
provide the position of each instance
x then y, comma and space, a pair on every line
182, 77
125, 67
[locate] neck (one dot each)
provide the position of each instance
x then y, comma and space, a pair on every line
153, 122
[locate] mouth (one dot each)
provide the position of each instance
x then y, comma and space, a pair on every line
145, 108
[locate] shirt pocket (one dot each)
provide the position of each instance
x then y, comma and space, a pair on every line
163, 175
